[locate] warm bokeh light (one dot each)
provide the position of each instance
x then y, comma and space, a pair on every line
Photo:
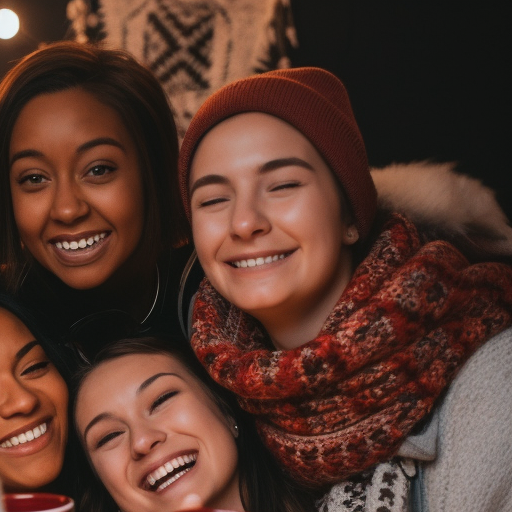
9, 24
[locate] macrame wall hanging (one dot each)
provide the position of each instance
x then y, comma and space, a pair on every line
194, 47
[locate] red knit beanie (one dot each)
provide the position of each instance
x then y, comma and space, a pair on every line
314, 102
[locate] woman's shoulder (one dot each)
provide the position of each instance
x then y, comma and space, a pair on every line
471, 468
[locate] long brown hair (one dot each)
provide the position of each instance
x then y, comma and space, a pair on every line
116, 79
264, 487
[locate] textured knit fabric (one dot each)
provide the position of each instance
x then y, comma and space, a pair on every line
410, 317
468, 467
314, 102
385, 488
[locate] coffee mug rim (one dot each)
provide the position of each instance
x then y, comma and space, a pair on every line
67, 506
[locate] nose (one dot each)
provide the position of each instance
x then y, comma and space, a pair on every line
15, 399
69, 203
144, 439
249, 218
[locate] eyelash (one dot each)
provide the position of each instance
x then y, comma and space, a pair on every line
104, 440
161, 399
106, 168
212, 202
29, 179
35, 367
291, 184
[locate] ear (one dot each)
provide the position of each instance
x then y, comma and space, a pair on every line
351, 235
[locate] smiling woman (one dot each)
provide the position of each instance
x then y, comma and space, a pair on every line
33, 406
90, 217
165, 431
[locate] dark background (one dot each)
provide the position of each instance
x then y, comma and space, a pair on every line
426, 79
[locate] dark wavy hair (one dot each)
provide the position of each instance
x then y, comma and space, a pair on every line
117, 80
264, 486
66, 365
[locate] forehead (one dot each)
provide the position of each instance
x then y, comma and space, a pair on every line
250, 139
126, 373
76, 108
252, 123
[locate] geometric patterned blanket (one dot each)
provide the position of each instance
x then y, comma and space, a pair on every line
194, 47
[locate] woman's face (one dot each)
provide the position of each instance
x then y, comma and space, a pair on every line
267, 221
76, 187
157, 436
33, 410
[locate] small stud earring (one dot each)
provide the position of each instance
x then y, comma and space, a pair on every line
236, 430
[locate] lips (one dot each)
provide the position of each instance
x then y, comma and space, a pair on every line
169, 472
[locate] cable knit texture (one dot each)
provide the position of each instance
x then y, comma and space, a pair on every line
471, 471
343, 402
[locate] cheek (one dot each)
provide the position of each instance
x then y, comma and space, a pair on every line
208, 234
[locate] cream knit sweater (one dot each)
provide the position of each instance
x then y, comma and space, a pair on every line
466, 449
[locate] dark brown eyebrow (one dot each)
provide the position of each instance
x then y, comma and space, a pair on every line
100, 141
107, 415
96, 419
272, 165
152, 379
23, 351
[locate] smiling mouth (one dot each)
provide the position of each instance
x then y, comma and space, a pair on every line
83, 243
169, 472
258, 262
25, 437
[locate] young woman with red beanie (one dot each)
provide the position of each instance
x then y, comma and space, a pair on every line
371, 350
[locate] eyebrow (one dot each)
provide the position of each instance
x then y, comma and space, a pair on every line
272, 165
100, 141
23, 351
107, 415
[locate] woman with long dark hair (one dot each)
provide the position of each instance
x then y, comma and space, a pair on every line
164, 430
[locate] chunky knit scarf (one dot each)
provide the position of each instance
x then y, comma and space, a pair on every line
410, 317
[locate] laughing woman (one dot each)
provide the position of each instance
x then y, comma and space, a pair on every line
354, 336
89, 218
33, 406
166, 431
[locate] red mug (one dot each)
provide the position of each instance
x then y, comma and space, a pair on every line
38, 502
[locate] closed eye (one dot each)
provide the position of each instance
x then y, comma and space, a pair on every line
104, 440
161, 399
282, 186
211, 202
36, 368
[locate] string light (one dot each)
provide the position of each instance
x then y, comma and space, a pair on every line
9, 24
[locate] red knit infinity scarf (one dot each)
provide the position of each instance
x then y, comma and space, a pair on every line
410, 317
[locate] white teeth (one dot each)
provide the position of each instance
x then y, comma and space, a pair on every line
169, 467
173, 479
26, 437
80, 244
258, 261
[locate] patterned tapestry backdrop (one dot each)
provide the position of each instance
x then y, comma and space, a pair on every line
194, 47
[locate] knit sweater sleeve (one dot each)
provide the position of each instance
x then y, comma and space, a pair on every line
473, 468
